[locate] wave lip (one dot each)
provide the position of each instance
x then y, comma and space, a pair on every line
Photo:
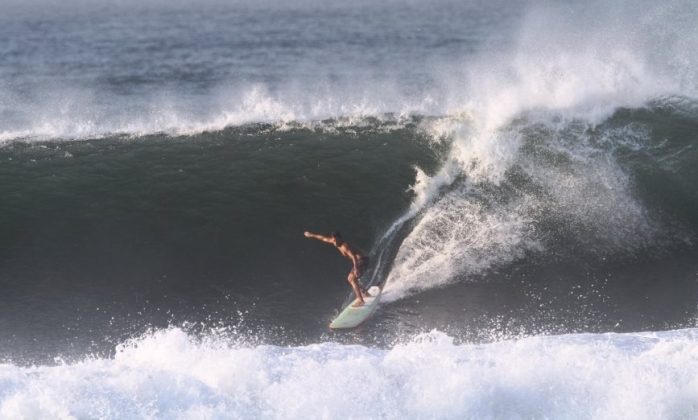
539, 134
169, 374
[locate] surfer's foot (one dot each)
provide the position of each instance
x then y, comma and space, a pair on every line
357, 304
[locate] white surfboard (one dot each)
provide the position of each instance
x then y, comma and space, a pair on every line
352, 317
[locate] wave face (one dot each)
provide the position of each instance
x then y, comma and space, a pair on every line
170, 375
586, 226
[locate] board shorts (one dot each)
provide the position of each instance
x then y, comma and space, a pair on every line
361, 266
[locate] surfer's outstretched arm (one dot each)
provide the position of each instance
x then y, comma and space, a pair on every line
322, 238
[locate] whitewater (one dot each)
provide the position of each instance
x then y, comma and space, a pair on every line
169, 374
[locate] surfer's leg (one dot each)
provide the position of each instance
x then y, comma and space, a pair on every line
357, 273
354, 282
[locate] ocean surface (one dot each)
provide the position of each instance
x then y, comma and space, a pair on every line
524, 176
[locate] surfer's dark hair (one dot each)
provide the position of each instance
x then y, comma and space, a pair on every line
337, 235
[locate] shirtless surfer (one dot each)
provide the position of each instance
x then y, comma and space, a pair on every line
359, 261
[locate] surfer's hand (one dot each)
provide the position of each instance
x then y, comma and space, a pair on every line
306, 234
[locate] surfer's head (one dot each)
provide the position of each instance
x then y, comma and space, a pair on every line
337, 238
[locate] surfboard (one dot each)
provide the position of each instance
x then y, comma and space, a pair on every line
352, 317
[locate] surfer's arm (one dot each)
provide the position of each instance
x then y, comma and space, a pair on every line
318, 237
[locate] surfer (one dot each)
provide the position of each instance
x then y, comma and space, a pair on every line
359, 261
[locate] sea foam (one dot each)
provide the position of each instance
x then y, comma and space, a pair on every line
169, 374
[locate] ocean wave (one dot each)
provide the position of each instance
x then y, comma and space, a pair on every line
169, 374
81, 113
554, 64
536, 159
